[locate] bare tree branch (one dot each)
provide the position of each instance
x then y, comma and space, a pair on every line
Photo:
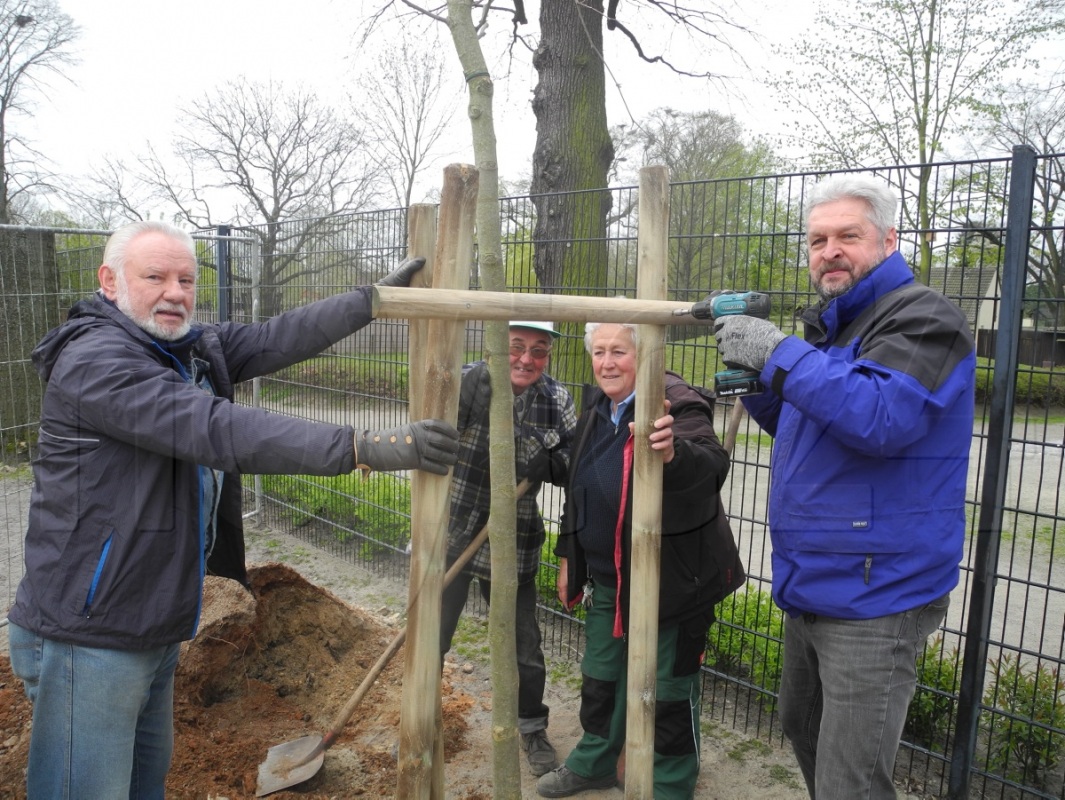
35, 42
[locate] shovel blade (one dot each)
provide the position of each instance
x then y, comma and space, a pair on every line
283, 767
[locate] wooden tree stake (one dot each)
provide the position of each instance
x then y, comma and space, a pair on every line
652, 272
440, 359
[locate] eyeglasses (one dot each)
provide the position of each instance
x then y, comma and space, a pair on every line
538, 353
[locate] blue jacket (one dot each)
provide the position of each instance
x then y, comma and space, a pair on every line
872, 418
115, 550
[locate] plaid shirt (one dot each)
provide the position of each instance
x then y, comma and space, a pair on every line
544, 417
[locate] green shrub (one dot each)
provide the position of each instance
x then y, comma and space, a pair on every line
747, 640
376, 509
1034, 386
1023, 733
929, 717
547, 574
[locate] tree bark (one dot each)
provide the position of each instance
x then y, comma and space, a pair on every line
502, 519
573, 154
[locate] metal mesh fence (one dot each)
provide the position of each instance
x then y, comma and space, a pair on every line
740, 234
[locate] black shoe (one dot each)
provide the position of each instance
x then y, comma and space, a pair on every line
539, 752
562, 782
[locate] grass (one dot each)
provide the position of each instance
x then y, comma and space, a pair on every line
783, 775
471, 639
565, 673
748, 748
756, 439
15, 472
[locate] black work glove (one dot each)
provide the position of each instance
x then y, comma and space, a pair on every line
402, 274
429, 444
475, 394
547, 466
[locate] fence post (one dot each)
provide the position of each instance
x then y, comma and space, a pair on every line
996, 468
221, 253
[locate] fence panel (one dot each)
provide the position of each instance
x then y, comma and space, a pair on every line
740, 234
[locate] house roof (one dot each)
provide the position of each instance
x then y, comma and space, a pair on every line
966, 286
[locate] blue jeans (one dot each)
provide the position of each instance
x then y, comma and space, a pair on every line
103, 720
844, 694
532, 673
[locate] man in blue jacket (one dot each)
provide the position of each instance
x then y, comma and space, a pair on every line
872, 413
137, 495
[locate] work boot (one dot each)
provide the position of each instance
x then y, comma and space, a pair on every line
539, 752
562, 782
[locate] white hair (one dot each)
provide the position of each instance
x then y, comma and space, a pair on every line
118, 243
591, 327
876, 194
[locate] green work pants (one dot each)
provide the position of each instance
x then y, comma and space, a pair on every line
603, 695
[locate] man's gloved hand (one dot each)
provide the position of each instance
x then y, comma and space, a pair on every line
547, 466
475, 394
746, 341
402, 274
429, 444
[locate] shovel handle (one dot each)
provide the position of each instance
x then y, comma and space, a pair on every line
735, 416
397, 642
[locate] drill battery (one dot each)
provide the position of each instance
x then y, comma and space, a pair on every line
737, 383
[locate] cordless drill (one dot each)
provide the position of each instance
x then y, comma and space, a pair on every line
733, 382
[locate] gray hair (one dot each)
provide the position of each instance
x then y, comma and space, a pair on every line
876, 194
591, 327
118, 243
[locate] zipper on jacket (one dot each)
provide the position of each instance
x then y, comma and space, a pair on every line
87, 610
868, 567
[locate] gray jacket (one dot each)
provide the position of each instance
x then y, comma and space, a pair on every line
115, 548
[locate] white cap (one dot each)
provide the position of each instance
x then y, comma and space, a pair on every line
549, 327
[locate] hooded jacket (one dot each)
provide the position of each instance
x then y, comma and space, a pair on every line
699, 560
872, 418
115, 548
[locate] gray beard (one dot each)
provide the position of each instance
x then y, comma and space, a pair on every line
836, 291
827, 294
147, 324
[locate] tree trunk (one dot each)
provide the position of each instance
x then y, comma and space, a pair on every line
502, 518
573, 154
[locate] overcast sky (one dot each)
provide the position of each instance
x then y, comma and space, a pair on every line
141, 59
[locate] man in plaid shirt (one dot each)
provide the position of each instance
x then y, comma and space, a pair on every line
544, 420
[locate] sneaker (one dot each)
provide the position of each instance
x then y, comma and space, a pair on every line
562, 782
539, 752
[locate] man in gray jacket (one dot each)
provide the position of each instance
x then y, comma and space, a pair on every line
137, 496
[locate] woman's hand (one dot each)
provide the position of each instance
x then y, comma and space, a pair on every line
562, 582
661, 437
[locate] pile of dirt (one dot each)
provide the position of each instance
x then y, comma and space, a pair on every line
267, 668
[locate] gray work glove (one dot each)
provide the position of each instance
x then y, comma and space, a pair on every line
746, 341
402, 274
429, 444
475, 394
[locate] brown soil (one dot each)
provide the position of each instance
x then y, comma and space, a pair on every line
278, 665
264, 670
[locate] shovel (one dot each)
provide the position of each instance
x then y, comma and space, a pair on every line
299, 760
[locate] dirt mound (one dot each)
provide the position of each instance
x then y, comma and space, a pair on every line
264, 669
